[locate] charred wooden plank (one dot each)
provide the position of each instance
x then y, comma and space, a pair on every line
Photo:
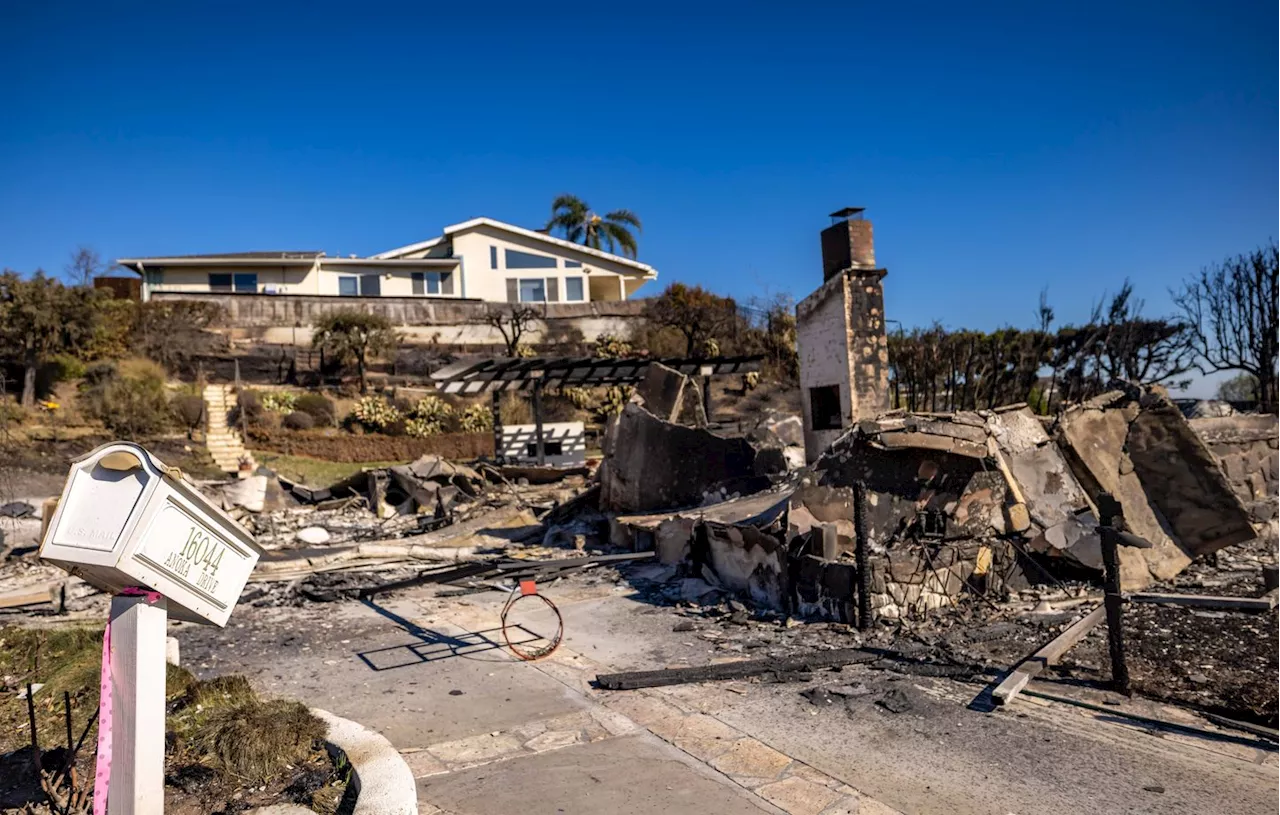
734, 670
1264, 603
1030, 667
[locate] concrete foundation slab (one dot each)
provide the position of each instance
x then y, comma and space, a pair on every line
629, 774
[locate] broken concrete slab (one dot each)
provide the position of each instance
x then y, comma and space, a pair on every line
1094, 435
313, 535
746, 561
663, 391
247, 493
1183, 480
1043, 476
1137, 445
786, 426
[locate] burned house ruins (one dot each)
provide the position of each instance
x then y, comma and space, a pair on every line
972, 502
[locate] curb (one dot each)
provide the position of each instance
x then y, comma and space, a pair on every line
381, 777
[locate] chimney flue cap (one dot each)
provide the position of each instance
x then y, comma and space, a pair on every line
846, 214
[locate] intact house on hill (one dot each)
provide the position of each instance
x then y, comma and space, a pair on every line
481, 259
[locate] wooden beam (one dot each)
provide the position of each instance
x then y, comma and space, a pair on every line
136, 737
1019, 516
1264, 603
34, 595
1030, 667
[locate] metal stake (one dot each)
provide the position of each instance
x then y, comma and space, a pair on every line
1112, 534
537, 421
860, 555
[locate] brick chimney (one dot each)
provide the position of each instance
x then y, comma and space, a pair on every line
847, 243
840, 336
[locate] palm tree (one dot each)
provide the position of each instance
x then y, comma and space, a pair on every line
610, 232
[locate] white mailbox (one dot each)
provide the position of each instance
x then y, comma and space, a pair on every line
125, 519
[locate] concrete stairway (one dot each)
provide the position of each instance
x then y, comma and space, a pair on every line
224, 442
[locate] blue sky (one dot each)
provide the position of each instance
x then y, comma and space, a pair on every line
999, 148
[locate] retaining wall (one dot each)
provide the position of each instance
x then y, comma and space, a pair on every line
286, 319
1248, 448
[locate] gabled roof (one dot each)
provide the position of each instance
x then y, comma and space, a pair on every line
475, 223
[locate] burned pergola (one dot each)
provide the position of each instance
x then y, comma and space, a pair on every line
495, 375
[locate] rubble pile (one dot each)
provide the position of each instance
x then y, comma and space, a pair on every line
977, 502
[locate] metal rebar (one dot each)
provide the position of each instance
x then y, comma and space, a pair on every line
860, 555
1109, 515
66, 709
31, 719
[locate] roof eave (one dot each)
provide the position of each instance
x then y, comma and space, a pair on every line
404, 250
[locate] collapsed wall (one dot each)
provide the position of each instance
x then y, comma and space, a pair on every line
1136, 445
969, 502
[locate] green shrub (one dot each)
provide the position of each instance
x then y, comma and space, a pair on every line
420, 428
430, 415
476, 419
298, 421
67, 367
223, 724
249, 406
190, 411
615, 399
280, 401
11, 413
317, 406
374, 413
581, 398
128, 397
609, 346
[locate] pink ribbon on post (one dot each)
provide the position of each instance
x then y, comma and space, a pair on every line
102, 768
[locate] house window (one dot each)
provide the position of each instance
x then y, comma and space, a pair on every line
493, 257
824, 407
247, 282
549, 448
221, 282
348, 285
573, 289
527, 260
573, 264
533, 290
426, 283
370, 285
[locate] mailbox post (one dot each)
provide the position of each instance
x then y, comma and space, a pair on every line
133, 527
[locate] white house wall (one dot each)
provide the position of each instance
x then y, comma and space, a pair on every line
394, 282
483, 282
286, 279
822, 346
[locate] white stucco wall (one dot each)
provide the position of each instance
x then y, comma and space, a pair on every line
395, 281
822, 345
600, 276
